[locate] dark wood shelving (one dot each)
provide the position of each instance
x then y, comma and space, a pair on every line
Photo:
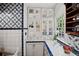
71, 12
75, 12
70, 22
71, 17
68, 5
73, 33
69, 8
72, 27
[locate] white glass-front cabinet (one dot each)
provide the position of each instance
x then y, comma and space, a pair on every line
47, 23
40, 23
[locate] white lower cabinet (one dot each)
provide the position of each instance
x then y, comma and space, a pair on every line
46, 53
35, 49
29, 49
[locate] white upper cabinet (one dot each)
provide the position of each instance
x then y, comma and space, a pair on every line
40, 22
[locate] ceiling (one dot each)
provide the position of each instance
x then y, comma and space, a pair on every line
46, 5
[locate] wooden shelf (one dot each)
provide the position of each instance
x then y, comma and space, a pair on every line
73, 33
71, 17
71, 27
71, 11
70, 22
69, 8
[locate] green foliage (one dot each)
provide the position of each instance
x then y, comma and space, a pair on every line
55, 36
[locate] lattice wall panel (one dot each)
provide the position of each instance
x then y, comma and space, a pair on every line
11, 15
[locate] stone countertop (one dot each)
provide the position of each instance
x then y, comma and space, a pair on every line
60, 39
55, 48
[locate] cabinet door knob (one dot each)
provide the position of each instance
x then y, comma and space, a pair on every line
33, 45
25, 33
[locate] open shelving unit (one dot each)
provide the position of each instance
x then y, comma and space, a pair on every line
72, 18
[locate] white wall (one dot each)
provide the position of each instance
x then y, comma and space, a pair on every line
59, 11
41, 5
11, 40
1, 39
